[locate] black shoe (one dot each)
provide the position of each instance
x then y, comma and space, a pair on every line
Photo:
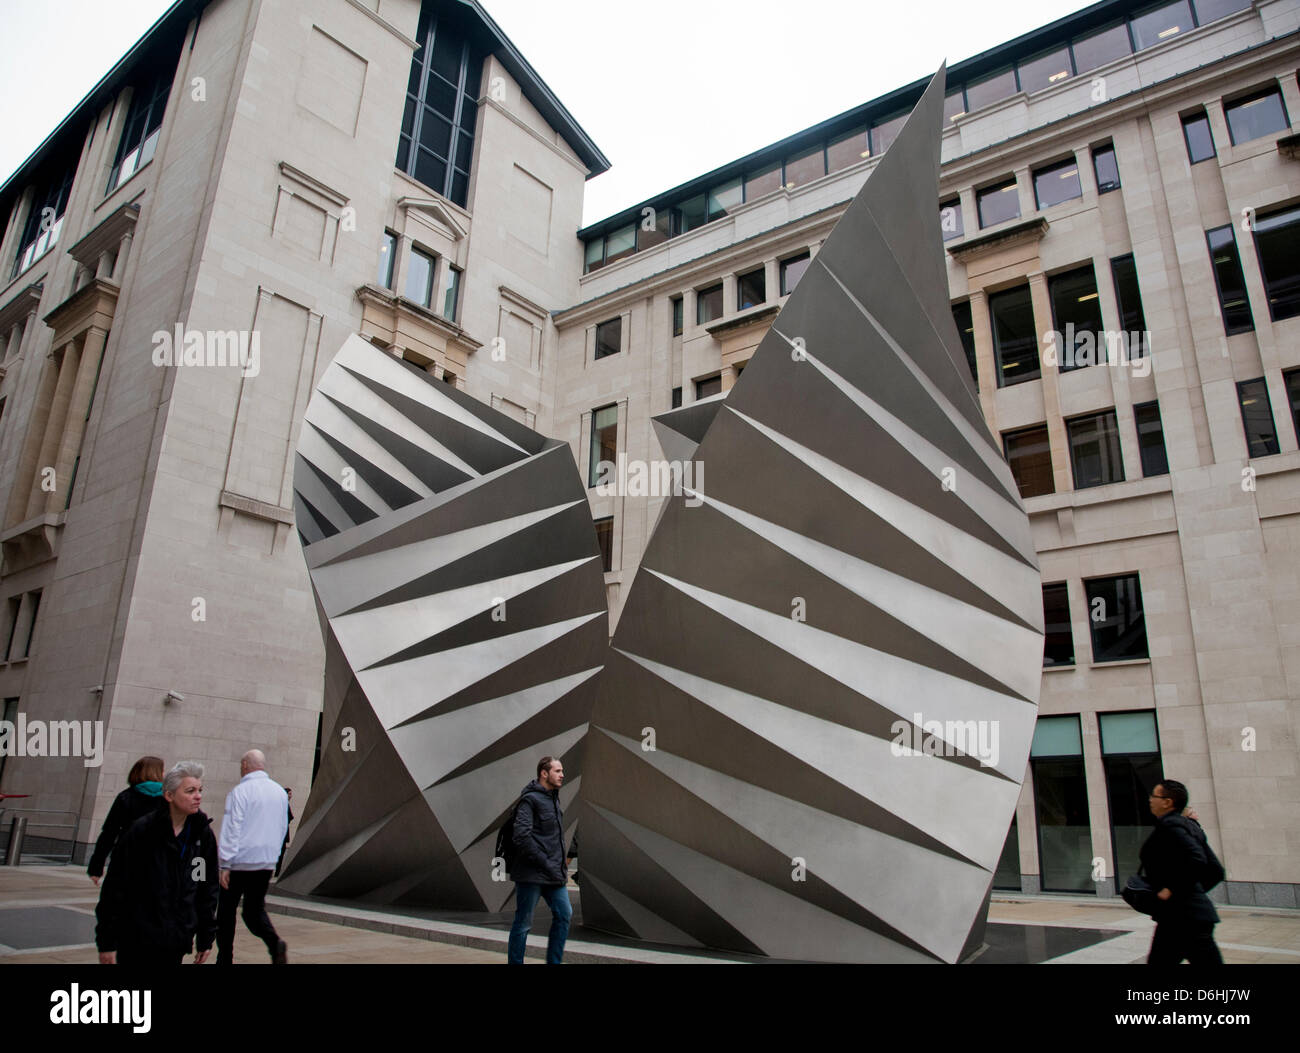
280, 956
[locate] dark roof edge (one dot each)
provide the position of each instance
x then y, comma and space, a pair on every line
173, 19
1097, 16
538, 92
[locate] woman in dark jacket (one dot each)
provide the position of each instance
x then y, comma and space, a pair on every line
160, 894
1172, 860
143, 794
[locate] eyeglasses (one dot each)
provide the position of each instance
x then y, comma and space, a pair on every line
1159, 797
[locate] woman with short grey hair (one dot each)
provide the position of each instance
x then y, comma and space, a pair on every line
160, 893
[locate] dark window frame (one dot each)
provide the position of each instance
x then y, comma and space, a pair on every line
1063, 628
604, 346
1245, 309
741, 279
701, 295
1198, 117
1001, 186
1117, 449
1054, 168
596, 445
1151, 467
1103, 149
1257, 95
1141, 613
1270, 442
1033, 431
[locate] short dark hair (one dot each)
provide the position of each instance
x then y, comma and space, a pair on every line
1176, 792
544, 765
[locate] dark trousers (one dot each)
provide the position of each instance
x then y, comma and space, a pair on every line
251, 885
149, 957
1194, 941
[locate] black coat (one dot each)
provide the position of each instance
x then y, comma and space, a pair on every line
150, 899
1172, 858
539, 837
128, 806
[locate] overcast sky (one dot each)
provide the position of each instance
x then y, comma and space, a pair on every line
667, 91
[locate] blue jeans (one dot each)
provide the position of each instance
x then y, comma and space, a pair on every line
557, 898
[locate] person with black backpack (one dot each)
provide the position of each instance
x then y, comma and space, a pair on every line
532, 845
1180, 867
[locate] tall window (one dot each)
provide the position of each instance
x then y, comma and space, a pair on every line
1257, 417
143, 124
1151, 439
604, 441
1292, 381
45, 218
792, 270
1057, 183
1044, 70
1115, 618
950, 221
1256, 115
1029, 456
1076, 312
1130, 754
1128, 296
708, 387
1157, 26
1061, 804
609, 337
961, 316
708, 304
387, 257
1105, 168
998, 203
1198, 137
1229, 280
9, 712
436, 143
677, 316
605, 539
1015, 342
1277, 246
451, 299
1094, 450
419, 277
751, 289
1058, 641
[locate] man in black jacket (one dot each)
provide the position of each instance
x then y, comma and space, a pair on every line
539, 869
1172, 860
160, 893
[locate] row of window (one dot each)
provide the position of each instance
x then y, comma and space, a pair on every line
812, 161
420, 269
1252, 116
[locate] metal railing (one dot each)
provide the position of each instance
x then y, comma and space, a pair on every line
17, 824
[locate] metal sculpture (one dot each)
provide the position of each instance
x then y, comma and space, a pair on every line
810, 735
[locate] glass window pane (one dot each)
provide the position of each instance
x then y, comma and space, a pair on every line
1094, 450
604, 441
1115, 618
677, 315
804, 168
1257, 417
762, 182
1076, 314
1256, 116
1129, 298
620, 243
1155, 27
792, 270
1015, 340
1051, 68
609, 337
950, 221
430, 171
1210, 10
990, 89
708, 304
1151, 439
419, 277
1007, 874
594, 255
654, 228
677, 398
1230, 281
961, 316
1199, 139
1128, 732
1058, 642
954, 105
1129, 779
707, 388
1292, 382
451, 301
1057, 737
1029, 456
751, 289
1064, 827
725, 198
605, 539
886, 132
847, 150
997, 204
1057, 183
387, 253
1106, 168
1277, 246
1099, 48
693, 212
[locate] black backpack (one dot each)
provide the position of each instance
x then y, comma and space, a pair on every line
1211, 872
506, 849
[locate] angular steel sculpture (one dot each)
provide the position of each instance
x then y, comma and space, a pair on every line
458, 582
753, 778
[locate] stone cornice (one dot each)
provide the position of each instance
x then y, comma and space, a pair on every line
96, 299
972, 248
15, 312
106, 236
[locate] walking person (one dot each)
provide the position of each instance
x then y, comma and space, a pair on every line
143, 794
160, 893
1174, 859
539, 869
288, 793
252, 833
